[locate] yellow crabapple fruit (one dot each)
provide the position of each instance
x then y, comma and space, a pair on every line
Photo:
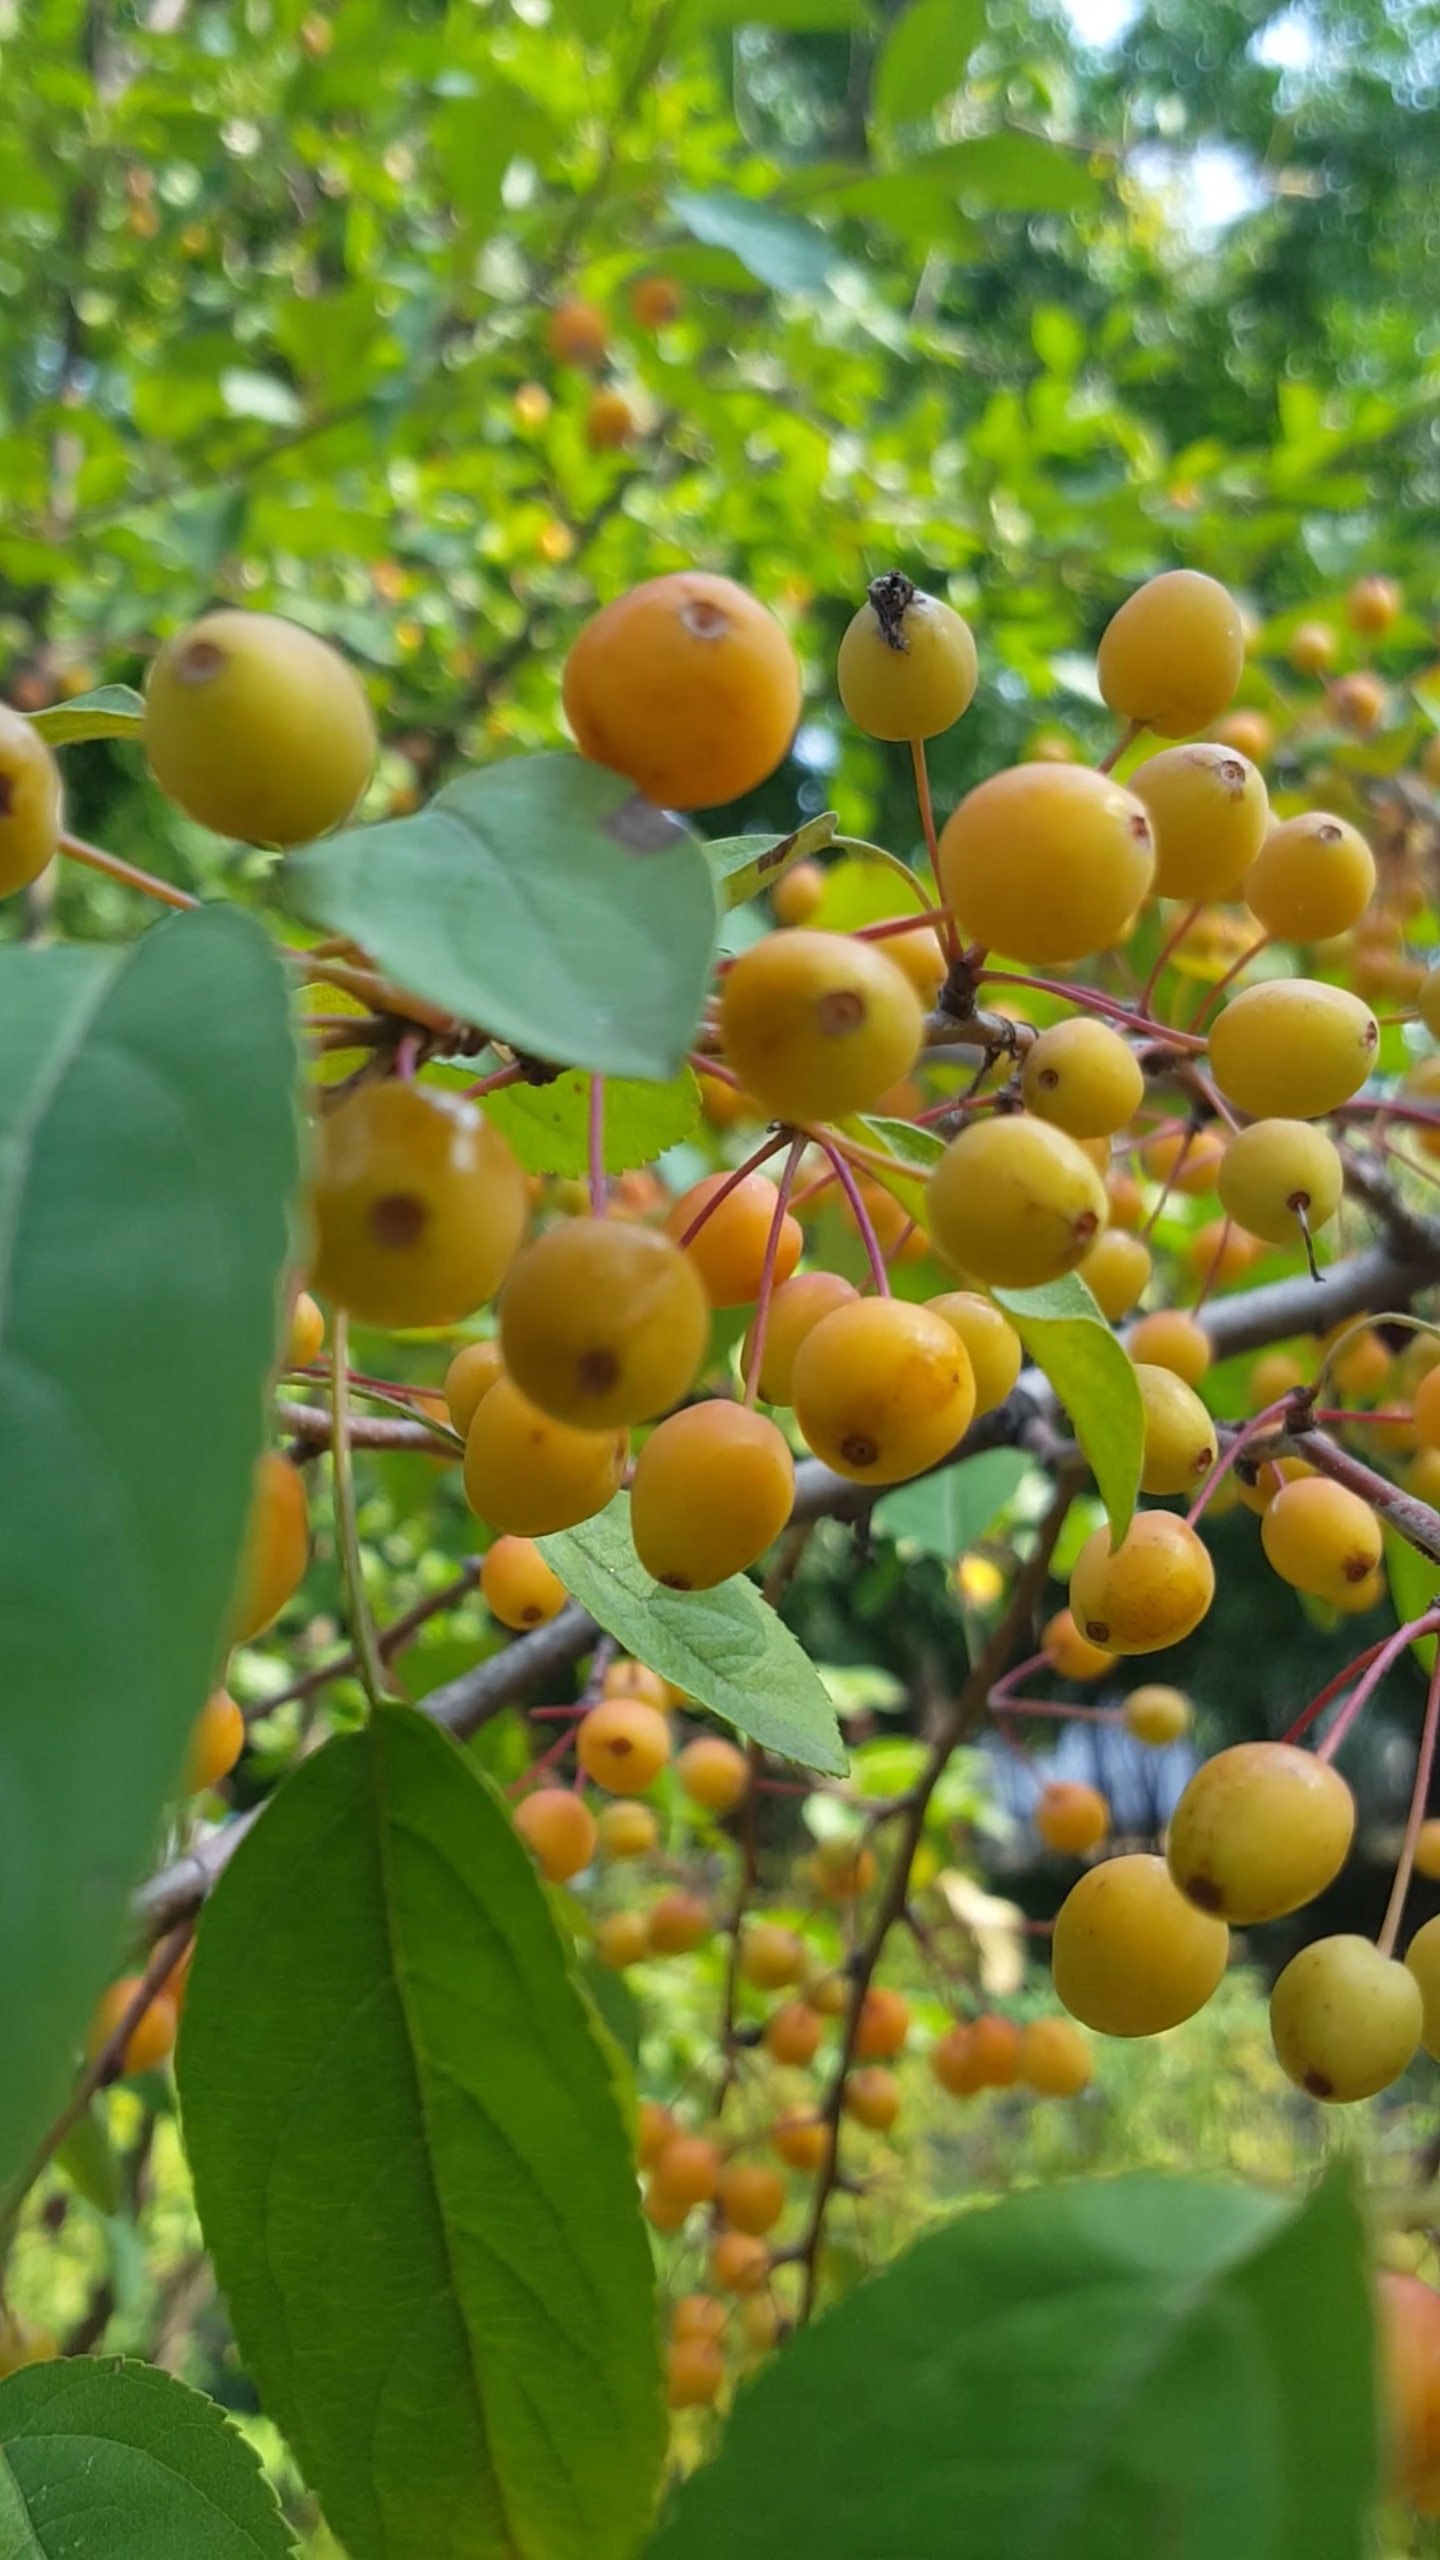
687, 686
529, 1475
627, 1679
1173, 655
953, 2063
468, 1380
1292, 1048
258, 728
771, 1957
621, 1939
1427, 1850
609, 421
713, 1488
872, 2097
1014, 1202
1423, 1958
792, 2035
626, 1830
1358, 701
801, 2140
1408, 2312
843, 1869
712, 1773
751, 2196
1345, 2020
1153, 1590
23, 2343
1071, 1654
1314, 876
1427, 1003
1171, 1339
1116, 1271
1180, 1447
1084, 1077
677, 1924
1312, 648
603, 1322
1130, 1955
1156, 1714
1321, 1537
1127, 1200
623, 1745
816, 1024
995, 2051
1281, 1179
739, 2262
1055, 2059
1261, 1829
276, 1550
797, 893
418, 1203
30, 803
694, 2372
151, 2040
996, 1351
882, 1389
688, 2169
1275, 1374
882, 2026
1185, 1160
1248, 732
663, 2210
728, 1251
1070, 1817
576, 333
1046, 862
760, 2322
907, 666
796, 1307
699, 2315
1209, 809
921, 957
1372, 605
517, 1585
307, 1332
558, 1828
217, 1739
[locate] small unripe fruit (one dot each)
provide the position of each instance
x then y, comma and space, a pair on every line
1156, 1714
1261, 1829
1046, 862
1153, 1590
882, 1389
907, 666
603, 1322
818, 1024
678, 1924
713, 1774
30, 803
518, 1586
217, 1739
687, 686
1314, 876
277, 1547
1130, 1955
1055, 2059
419, 1205
258, 729
468, 1380
559, 1829
1173, 655
1292, 1048
1014, 1202
1071, 1818
1345, 2019
1209, 810
1082, 1076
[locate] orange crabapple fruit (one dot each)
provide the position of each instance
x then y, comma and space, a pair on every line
828, 1994
817, 1024
1292, 1048
1345, 2020
797, 893
728, 1251
609, 421
276, 1551
739, 2262
1055, 2059
1409, 2343
1281, 1179
1423, 1958
1156, 1713
872, 2097
1014, 1202
796, 1307
558, 1828
1275, 1374
1046, 862
694, 2372
622, 1745
688, 2168
529, 1475
626, 1830
843, 1870
1172, 656
656, 301
712, 1773
517, 1585
995, 2045
1372, 605
151, 2040
688, 686
907, 666
258, 729
1260, 1830
1427, 1850
1209, 808
1358, 701
1187, 1160
1070, 1817
663, 2210
1116, 1271
1082, 1076
217, 1739
1180, 1447
800, 2139
418, 1204
995, 1349
603, 1322
1248, 732
677, 1925
307, 1332
1130, 1955
627, 1679
760, 2322
882, 1389
468, 1380
699, 2315
1321, 1537
771, 1957
1314, 876
751, 2196
1150, 1592
1312, 648
1171, 1339
1427, 1410
882, 2026
952, 2061
577, 333
713, 1488
793, 2034
1071, 1654
621, 1939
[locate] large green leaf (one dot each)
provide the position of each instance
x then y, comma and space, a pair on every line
1414, 1588
911, 1155
1094, 1378
147, 1156
1014, 172
413, 2170
723, 1647
541, 899
103, 2458
112, 712
744, 865
548, 1124
1136, 2366
791, 256
945, 1514
924, 58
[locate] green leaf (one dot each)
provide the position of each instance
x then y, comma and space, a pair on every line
913, 1152
97, 2457
1067, 1336
744, 865
412, 2170
789, 255
112, 712
619, 2009
1414, 1588
1133, 2365
548, 1124
1426, 689
265, 396
1014, 173
925, 58
946, 1513
87, 2157
724, 1647
543, 900
147, 1156
798, 16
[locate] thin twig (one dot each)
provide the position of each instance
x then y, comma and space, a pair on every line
369, 1661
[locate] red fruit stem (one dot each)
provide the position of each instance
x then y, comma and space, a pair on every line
1172, 941
766, 1290
596, 1140
1058, 1707
861, 1215
494, 1084
1419, 1798
1332, 1689
1092, 1001
95, 857
1000, 1694
1132, 730
1248, 1431
761, 1155
1217, 991
1389, 1652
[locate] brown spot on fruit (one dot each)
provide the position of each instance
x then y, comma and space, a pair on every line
398, 1219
